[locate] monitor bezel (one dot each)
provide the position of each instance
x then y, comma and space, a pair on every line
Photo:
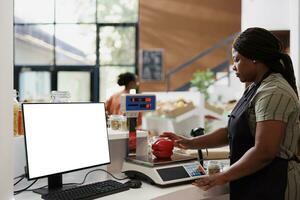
68, 171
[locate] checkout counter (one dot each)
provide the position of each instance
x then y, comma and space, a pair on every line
118, 142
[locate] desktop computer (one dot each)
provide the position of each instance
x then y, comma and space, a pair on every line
64, 137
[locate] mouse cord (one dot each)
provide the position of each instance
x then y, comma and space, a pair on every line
119, 179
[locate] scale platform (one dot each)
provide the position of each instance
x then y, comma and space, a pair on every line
178, 169
152, 161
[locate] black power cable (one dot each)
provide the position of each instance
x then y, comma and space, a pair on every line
120, 179
24, 189
75, 184
19, 181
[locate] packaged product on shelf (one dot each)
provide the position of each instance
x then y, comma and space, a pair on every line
174, 108
115, 122
213, 167
20, 121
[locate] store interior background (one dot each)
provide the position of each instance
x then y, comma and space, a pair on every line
182, 29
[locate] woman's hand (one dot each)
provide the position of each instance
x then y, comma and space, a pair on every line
179, 141
210, 181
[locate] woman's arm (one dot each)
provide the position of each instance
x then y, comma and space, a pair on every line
217, 138
268, 137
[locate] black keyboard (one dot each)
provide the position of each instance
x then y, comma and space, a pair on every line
87, 192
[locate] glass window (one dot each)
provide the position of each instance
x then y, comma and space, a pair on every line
117, 45
117, 11
34, 44
75, 44
34, 86
78, 44
34, 11
77, 83
109, 78
73, 11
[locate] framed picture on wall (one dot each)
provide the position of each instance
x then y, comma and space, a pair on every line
151, 65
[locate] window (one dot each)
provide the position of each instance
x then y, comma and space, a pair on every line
76, 45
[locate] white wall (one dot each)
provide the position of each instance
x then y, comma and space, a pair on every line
6, 107
295, 37
276, 15
269, 14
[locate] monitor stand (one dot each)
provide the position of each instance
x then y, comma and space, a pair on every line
54, 183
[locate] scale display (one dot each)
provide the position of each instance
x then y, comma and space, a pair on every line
179, 172
137, 102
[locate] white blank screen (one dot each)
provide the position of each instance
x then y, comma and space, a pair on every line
64, 137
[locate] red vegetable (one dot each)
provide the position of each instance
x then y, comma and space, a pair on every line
163, 145
163, 148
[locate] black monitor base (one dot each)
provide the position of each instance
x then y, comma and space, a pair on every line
54, 183
44, 191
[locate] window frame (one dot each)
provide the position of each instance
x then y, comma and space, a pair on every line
93, 69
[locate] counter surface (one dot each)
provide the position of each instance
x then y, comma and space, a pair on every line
147, 191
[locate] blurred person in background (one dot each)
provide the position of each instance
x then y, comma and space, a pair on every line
113, 104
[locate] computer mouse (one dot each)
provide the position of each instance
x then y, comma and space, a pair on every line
134, 183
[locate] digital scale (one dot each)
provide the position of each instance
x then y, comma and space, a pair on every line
163, 172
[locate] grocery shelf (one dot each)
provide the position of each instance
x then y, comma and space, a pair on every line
187, 115
112, 135
118, 135
179, 118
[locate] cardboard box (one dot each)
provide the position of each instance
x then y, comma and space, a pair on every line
176, 111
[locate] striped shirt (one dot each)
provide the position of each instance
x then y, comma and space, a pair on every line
276, 100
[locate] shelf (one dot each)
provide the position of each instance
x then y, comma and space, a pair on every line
118, 135
187, 115
112, 135
179, 118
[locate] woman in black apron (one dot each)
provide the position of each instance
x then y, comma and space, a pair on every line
259, 166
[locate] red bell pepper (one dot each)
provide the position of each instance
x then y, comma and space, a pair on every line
163, 145
163, 148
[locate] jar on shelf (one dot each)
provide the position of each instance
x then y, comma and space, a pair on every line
16, 112
115, 122
123, 121
60, 96
18, 120
213, 167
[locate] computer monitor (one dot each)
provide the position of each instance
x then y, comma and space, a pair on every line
63, 137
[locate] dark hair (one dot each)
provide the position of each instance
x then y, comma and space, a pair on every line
126, 78
260, 44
